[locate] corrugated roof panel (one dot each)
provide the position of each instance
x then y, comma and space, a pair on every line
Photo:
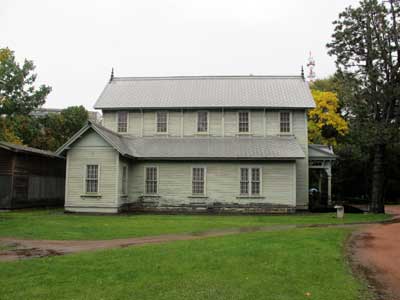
206, 91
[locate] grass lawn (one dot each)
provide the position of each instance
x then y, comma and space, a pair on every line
263, 265
54, 224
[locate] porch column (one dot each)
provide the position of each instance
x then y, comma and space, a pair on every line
329, 173
320, 181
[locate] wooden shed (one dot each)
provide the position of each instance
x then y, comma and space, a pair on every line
30, 177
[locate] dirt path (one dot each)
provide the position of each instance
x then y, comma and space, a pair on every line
375, 253
17, 248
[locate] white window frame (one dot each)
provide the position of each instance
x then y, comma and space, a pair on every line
250, 181
85, 192
238, 121
208, 122
205, 180
127, 121
290, 122
156, 122
124, 184
145, 180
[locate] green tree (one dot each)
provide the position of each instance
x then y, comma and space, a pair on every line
56, 129
366, 44
7, 133
73, 118
18, 94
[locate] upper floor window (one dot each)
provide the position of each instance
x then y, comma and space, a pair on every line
244, 120
122, 125
162, 121
92, 179
151, 180
198, 181
250, 181
285, 122
202, 121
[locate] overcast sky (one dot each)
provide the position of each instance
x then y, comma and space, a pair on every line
74, 44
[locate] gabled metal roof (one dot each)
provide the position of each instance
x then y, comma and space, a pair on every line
220, 148
210, 148
206, 92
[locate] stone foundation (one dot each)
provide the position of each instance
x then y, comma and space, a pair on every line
209, 208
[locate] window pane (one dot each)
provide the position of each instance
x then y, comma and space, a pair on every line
244, 181
122, 121
198, 180
202, 121
285, 121
124, 180
151, 180
92, 178
162, 121
255, 181
243, 121
255, 188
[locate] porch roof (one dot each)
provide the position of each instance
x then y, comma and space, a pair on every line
320, 152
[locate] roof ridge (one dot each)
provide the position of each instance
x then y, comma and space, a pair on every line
205, 77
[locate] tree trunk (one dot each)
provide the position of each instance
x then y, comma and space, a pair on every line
377, 194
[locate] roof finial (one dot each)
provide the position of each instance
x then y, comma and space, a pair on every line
112, 74
302, 72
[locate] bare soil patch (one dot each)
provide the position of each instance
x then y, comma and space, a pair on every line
374, 253
23, 248
16, 248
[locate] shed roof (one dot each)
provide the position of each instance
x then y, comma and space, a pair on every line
206, 92
29, 150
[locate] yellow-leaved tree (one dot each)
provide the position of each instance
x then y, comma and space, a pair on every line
325, 124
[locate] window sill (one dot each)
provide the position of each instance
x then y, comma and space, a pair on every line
198, 196
286, 134
161, 133
151, 196
91, 195
244, 134
203, 133
250, 197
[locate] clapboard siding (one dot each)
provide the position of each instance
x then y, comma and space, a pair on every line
222, 182
189, 123
220, 122
300, 131
215, 123
230, 123
110, 120
91, 149
135, 123
284, 183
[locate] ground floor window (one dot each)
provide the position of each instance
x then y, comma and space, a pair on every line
124, 180
151, 180
92, 179
250, 181
198, 181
